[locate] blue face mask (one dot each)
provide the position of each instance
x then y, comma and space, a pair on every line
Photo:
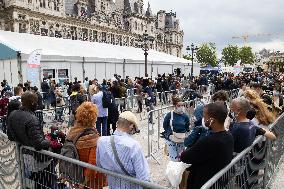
179, 110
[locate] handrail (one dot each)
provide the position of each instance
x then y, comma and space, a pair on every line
95, 168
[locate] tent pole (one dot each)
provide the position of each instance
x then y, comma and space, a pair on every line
123, 73
83, 69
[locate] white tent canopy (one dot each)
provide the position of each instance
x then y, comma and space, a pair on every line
26, 43
66, 59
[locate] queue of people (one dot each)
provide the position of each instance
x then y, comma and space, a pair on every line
218, 132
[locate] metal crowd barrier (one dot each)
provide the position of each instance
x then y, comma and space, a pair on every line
255, 166
9, 167
154, 131
44, 169
3, 125
154, 144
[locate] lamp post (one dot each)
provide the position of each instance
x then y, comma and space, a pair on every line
193, 50
147, 41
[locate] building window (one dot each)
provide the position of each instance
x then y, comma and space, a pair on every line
104, 37
120, 40
112, 39
85, 34
135, 25
102, 7
142, 27
48, 72
56, 5
22, 28
63, 73
58, 34
43, 32
83, 12
152, 29
95, 36
42, 3
73, 33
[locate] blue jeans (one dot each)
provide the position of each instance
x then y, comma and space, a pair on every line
102, 126
174, 150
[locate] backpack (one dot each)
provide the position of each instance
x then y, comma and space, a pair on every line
70, 170
74, 103
107, 99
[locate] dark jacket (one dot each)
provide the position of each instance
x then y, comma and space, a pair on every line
113, 112
40, 105
207, 157
24, 127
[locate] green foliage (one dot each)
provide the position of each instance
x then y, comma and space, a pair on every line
187, 57
207, 54
246, 55
230, 55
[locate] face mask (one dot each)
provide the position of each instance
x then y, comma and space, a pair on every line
179, 110
203, 123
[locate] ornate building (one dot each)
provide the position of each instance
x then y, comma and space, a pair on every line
122, 22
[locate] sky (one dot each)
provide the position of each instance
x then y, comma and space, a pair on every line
219, 20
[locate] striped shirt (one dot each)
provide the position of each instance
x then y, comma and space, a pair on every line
130, 154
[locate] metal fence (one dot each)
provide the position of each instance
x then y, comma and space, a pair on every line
3, 125
156, 142
44, 169
9, 172
255, 166
154, 132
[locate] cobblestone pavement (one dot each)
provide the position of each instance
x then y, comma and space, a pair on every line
277, 181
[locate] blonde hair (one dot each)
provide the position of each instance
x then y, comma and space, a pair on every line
86, 114
263, 115
251, 95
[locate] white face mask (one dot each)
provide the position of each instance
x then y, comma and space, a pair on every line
179, 110
203, 123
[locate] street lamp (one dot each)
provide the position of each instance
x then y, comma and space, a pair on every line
193, 49
147, 42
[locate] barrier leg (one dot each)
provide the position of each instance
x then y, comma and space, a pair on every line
21, 166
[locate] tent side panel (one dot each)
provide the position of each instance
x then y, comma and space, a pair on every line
7, 53
9, 71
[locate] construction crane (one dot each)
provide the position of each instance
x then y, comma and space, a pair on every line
245, 37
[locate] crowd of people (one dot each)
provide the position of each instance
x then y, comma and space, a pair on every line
101, 131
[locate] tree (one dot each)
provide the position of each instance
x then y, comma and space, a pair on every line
207, 54
246, 55
187, 57
230, 55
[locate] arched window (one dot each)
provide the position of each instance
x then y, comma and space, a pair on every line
136, 9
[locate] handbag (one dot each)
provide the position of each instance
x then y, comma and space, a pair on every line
183, 183
176, 137
175, 171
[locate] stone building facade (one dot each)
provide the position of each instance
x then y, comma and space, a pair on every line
122, 22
